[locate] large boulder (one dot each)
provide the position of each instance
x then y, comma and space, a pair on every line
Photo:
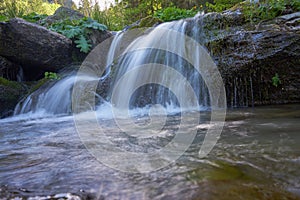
34, 47
259, 63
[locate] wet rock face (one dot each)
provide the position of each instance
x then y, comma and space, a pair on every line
34, 47
260, 64
10, 70
10, 93
248, 63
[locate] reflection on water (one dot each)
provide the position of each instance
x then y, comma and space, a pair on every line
257, 157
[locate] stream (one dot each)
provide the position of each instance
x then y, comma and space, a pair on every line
256, 157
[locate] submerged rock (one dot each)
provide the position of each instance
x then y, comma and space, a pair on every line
34, 47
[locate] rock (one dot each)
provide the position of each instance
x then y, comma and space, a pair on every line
249, 60
62, 13
10, 94
291, 16
9, 70
36, 48
145, 22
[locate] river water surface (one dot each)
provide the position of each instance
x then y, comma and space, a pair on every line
257, 157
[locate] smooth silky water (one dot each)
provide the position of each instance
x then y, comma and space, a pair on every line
43, 157
257, 157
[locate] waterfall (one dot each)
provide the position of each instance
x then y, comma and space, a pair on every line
54, 98
152, 62
135, 76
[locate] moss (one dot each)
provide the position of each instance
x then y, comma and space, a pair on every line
146, 22
10, 94
37, 85
12, 84
149, 21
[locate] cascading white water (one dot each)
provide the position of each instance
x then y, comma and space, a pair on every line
160, 38
56, 99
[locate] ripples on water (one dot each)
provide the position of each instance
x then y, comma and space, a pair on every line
257, 157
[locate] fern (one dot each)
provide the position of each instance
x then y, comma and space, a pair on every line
95, 25
73, 32
78, 30
83, 44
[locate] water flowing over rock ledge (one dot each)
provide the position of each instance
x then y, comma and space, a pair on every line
249, 56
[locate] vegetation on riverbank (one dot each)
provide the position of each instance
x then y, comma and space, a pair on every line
127, 12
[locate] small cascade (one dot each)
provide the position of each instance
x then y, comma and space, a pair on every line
20, 75
54, 98
114, 47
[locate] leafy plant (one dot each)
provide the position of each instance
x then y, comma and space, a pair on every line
3, 18
83, 44
270, 9
174, 13
13, 8
78, 30
51, 76
34, 17
221, 5
275, 80
102, 17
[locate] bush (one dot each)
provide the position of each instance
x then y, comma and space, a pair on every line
269, 9
174, 13
78, 30
18, 8
221, 5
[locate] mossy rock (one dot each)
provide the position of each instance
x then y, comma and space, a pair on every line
10, 94
150, 21
146, 22
62, 13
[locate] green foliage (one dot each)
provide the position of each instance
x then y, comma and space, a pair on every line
268, 9
51, 76
3, 18
34, 17
83, 44
127, 12
174, 13
13, 8
19, 8
9, 83
102, 17
254, 12
78, 30
276, 80
221, 5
